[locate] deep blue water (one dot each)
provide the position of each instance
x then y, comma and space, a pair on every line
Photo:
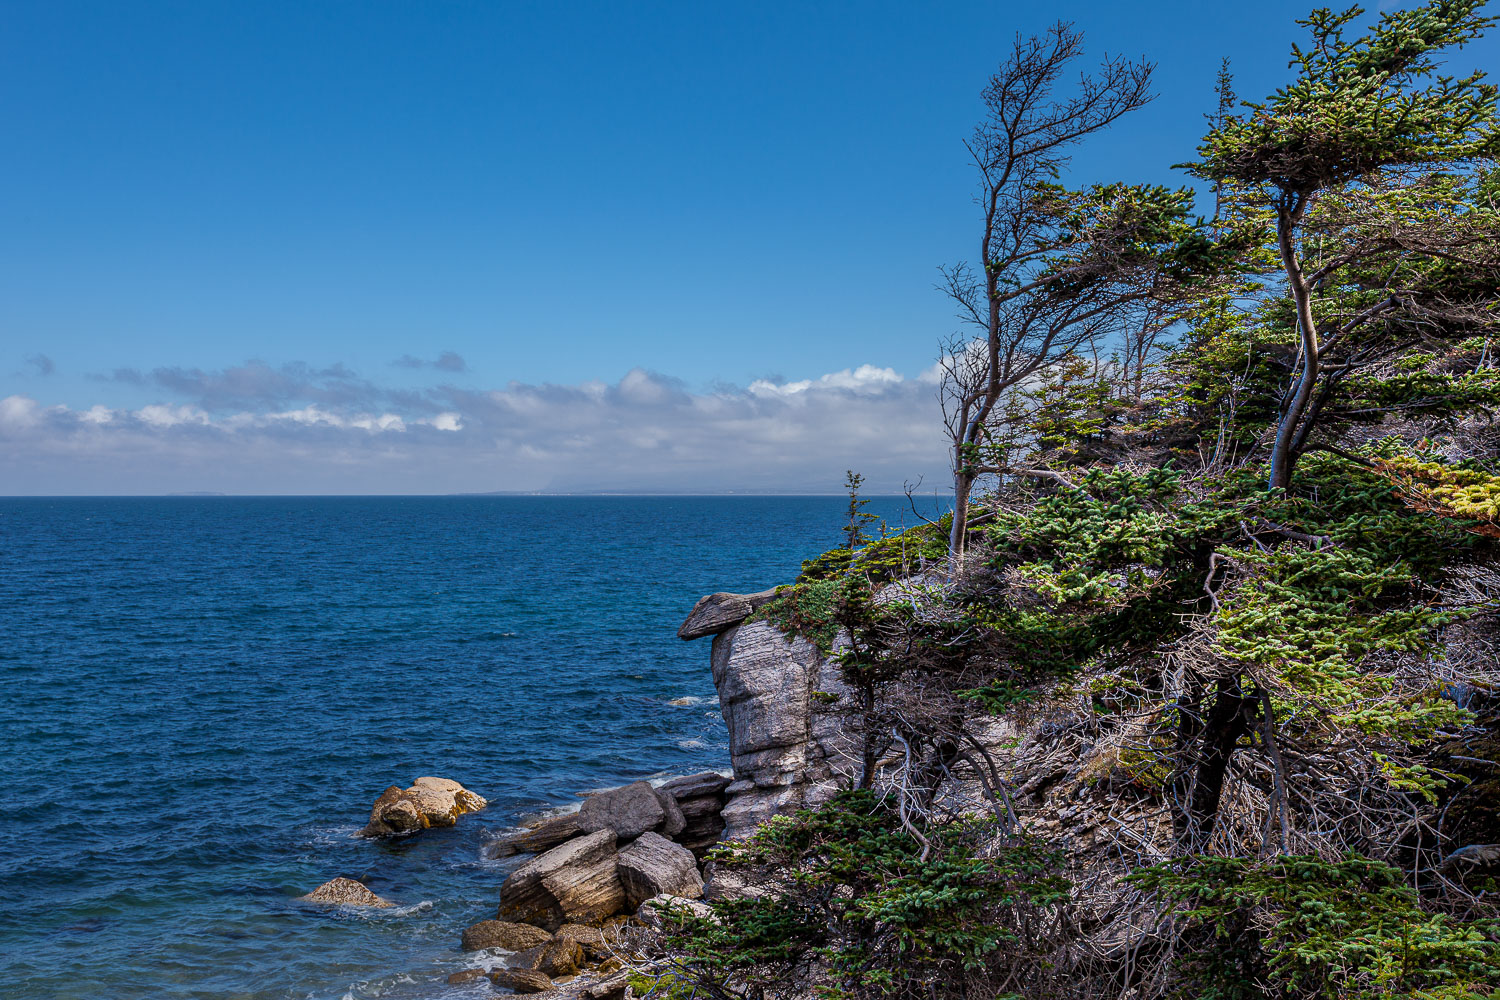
202, 697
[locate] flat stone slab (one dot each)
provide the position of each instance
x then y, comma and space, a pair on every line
720, 612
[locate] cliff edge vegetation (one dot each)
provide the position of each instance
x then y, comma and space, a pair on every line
1212, 630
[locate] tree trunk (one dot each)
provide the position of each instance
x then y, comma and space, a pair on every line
1227, 722
963, 483
1283, 454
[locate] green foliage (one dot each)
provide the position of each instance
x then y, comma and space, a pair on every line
1250, 669
1306, 927
812, 607
858, 517
808, 609
888, 915
1356, 106
998, 696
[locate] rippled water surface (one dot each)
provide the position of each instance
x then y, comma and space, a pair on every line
202, 697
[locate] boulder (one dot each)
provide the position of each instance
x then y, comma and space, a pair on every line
561, 956
717, 612
674, 822
720, 884
704, 785
700, 798
466, 976
505, 935
427, 803
394, 814
629, 811
614, 986
527, 959
654, 866
345, 892
576, 882
535, 839
521, 980
590, 939
653, 911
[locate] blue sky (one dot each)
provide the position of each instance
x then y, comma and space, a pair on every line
315, 218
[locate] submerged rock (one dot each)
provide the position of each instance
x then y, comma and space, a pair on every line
345, 892
574, 883
654, 866
427, 803
505, 935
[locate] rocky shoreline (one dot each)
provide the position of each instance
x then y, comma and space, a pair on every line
577, 915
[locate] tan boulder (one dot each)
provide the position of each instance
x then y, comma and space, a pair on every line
504, 935
345, 892
427, 803
560, 956
528, 959
654, 912
590, 939
521, 980
576, 882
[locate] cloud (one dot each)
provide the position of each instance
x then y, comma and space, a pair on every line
864, 379
296, 429
44, 365
448, 361
256, 385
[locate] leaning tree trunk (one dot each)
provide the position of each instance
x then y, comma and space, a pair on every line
1283, 454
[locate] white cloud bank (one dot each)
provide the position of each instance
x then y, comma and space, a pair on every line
255, 429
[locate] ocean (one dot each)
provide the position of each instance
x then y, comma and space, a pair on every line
203, 696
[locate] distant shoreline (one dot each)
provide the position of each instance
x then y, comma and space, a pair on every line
393, 496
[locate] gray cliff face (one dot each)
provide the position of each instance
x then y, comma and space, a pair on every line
785, 746
787, 710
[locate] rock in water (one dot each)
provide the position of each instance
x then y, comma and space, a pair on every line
653, 866
427, 803
346, 892
717, 612
521, 980
504, 935
534, 840
574, 883
629, 811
